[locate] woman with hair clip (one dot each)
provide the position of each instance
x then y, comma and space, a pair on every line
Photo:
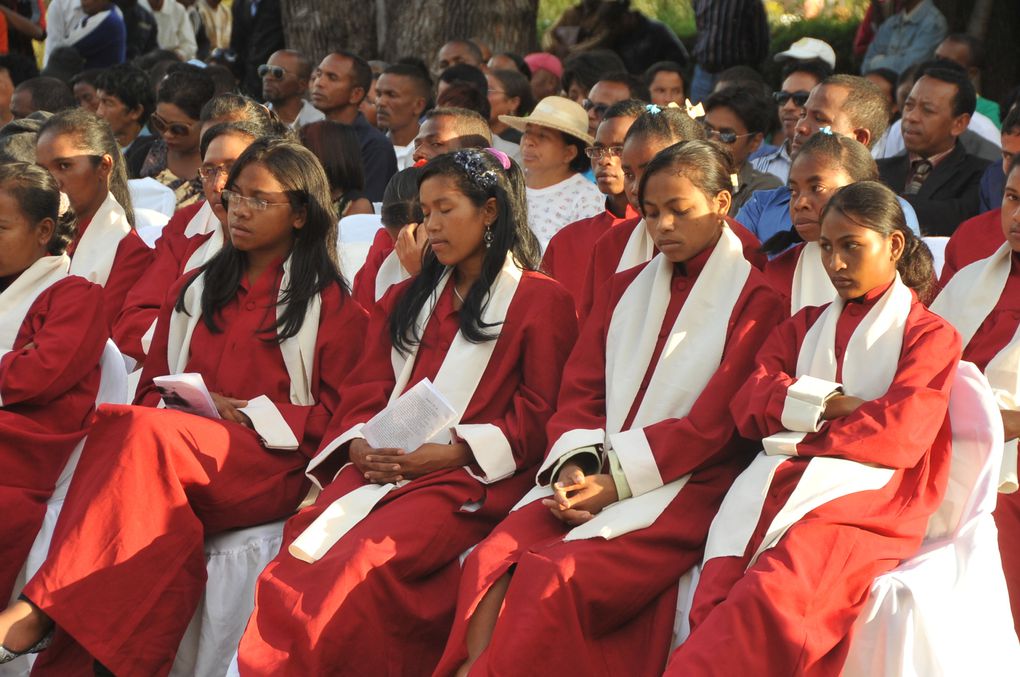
79, 150
368, 582
851, 403
630, 243
50, 345
982, 300
825, 163
269, 327
192, 237
585, 581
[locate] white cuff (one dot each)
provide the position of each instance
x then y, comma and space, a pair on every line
805, 403
491, 450
353, 434
637, 460
782, 444
570, 441
270, 424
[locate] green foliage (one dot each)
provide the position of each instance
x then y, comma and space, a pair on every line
677, 14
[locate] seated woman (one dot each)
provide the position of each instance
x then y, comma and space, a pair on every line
272, 331
190, 240
80, 151
851, 402
52, 334
374, 592
824, 164
982, 300
336, 145
585, 582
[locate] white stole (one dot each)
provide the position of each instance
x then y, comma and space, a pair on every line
457, 380
869, 367
97, 249
811, 284
640, 248
965, 302
390, 273
204, 221
689, 359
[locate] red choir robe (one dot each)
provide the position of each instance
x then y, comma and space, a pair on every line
569, 251
597, 606
114, 268
381, 599
47, 395
609, 250
173, 249
787, 606
992, 336
799, 276
364, 281
975, 239
126, 568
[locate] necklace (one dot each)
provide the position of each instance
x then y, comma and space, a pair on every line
457, 294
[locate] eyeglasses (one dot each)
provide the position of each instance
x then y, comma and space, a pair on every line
209, 173
230, 199
276, 72
599, 108
173, 128
724, 137
599, 152
799, 98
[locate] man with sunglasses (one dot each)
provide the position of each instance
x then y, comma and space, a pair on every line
737, 118
285, 79
799, 78
610, 89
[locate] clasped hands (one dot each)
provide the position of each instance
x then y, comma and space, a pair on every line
577, 497
384, 466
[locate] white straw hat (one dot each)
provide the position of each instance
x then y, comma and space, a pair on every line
554, 112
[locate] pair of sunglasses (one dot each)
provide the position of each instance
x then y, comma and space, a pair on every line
275, 72
173, 128
799, 98
599, 108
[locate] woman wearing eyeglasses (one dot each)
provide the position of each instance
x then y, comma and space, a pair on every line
175, 158
79, 150
271, 328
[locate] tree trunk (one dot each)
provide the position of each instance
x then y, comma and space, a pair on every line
390, 29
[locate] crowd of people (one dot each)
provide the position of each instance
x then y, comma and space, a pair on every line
682, 319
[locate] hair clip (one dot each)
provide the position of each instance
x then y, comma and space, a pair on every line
694, 111
65, 204
653, 109
826, 130
503, 158
478, 172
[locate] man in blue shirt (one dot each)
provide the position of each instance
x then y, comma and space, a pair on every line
842, 104
907, 37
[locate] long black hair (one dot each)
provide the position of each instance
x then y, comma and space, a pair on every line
479, 175
848, 154
313, 259
38, 196
873, 205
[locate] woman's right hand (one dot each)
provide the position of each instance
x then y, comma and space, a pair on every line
1010, 424
409, 246
840, 406
372, 463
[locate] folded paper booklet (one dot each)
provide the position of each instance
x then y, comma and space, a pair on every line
186, 392
411, 420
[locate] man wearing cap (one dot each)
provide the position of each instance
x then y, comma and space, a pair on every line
809, 49
907, 37
553, 145
546, 72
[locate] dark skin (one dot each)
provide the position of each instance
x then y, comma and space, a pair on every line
1011, 229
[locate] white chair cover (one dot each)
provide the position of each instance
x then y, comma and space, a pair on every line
357, 232
149, 223
937, 245
148, 193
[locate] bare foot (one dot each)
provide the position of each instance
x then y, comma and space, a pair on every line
22, 626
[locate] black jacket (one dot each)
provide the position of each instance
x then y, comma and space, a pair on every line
948, 197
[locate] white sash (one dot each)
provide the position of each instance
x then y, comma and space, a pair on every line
390, 273
640, 248
869, 367
298, 351
457, 380
204, 221
19, 297
811, 284
94, 256
690, 357
965, 302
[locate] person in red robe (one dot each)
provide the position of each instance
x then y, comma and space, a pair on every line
569, 251
51, 338
851, 402
976, 238
79, 149
585, 581
179, 249
984, 305
368, 582
825, 163
628, 244
270, 328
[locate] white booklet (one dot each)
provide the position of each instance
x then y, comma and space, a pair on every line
186, 392
411, 420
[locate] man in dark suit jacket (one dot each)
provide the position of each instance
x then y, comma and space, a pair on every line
936, 175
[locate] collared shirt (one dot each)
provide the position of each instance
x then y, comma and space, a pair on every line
776, 163
906, 38
173, 28
306, 116
61, 17
934, 160
750, 181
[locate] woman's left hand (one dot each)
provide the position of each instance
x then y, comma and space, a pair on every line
429, 458
577, 503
